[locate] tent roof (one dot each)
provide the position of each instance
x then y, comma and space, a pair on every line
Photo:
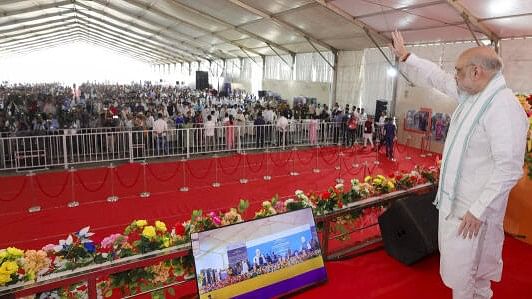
163, 31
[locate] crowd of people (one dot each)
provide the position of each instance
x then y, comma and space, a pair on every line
154, 112
34, 109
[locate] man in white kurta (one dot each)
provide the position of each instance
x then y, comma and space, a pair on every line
482, 160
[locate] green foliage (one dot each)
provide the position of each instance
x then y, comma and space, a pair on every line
243, 205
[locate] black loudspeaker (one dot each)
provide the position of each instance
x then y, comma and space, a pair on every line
262, 93
202, 80
379, 107
409, 228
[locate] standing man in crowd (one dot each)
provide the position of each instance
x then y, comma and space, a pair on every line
261, 130
161, 127
482, 160
389, 137
368, 132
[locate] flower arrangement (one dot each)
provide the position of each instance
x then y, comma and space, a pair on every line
10, 260
407, 180
302, 201
381, 184
526, 102
429, 174
77, 250
267, 208
359, 190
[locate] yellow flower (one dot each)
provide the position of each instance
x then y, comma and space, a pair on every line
148, 232
160, 226
3, 254
367, 179
166, 242
4, 278
141, 223
381, 177
391, 186
8, 268
377, 181
15, 252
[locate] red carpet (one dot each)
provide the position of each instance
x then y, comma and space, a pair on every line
374, 275
53, 190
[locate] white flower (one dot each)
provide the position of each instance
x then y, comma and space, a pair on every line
63, 244
84, 233
339, 186
354, 182
288, 201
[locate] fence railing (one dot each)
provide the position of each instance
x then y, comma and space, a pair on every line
74, 148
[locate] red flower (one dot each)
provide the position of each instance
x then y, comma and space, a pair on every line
391, 175
179, 229
325, 195
340, 204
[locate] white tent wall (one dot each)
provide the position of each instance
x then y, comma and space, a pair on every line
362, 79
349, 77
517, 59
375, 84
312, 76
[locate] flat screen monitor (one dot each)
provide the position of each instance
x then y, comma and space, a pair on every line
262, 258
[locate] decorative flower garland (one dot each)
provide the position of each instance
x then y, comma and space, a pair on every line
141, 236
526, 102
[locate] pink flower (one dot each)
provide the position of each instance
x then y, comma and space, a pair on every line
110, 240
215, 218
49, 247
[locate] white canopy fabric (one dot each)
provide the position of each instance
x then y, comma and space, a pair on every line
169, 31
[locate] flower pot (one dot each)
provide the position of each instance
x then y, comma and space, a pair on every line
517, 221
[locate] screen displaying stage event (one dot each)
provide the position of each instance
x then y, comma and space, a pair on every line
262, 258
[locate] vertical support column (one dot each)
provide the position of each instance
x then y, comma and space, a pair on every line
239, 143
130, 141
92, 291
292, 67
497, 46
394, 91
188, 143
332, 99
65, 150
241, 67
263, 68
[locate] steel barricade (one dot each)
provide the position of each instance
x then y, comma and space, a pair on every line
113, 144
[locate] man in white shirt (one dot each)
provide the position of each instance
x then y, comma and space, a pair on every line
150, 121
209, 132
482, 160
282, 126
160, 127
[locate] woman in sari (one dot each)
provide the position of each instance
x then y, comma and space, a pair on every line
230, 132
